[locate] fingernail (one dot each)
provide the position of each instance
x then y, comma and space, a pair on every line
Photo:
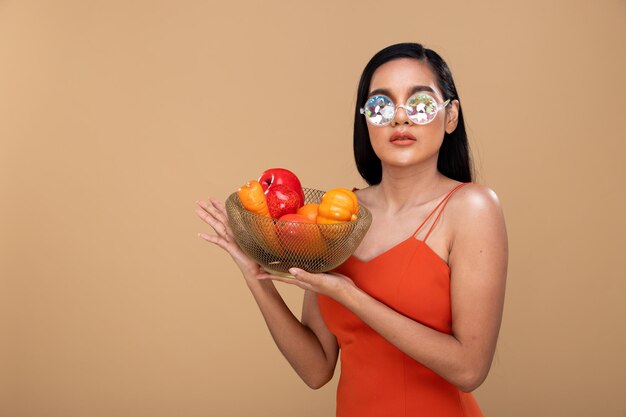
293, 271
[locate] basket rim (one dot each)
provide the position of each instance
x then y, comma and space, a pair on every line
362, 214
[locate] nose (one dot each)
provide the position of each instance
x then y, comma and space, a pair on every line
401, 117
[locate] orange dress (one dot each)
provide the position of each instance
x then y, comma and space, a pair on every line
377, 379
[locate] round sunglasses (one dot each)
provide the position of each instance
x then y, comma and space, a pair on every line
421, 108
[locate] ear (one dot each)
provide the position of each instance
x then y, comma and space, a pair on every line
452, 116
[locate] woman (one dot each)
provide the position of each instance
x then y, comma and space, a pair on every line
416, 310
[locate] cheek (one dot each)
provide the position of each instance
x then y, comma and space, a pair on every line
377, 136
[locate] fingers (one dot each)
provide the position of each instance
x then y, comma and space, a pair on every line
287, 280
300, 279
221, 213
218, 205
214, 239
213, 218
303, 276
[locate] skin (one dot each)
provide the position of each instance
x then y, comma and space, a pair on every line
470, 236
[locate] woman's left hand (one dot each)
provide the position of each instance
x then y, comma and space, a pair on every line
331, 284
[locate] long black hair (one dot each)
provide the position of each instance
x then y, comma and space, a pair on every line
454, 157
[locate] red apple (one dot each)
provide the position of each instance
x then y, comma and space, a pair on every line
282, 200
280, 176
300, 236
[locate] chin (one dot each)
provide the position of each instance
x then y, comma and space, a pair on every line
407, 159
403, 164
401, 156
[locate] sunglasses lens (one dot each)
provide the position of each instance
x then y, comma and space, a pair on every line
379, 110
422, 108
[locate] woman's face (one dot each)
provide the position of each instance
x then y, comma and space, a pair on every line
399, 79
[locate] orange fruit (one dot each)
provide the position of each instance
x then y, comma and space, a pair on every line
300, 236
309, 211
265, 229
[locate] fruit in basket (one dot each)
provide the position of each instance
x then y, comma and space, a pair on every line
280, 176
289, 230
282, 200
300, 236
253, 199
338, 205
314, 256
309, 211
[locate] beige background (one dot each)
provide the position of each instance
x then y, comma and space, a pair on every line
115, 116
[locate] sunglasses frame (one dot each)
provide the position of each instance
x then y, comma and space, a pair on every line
403, 106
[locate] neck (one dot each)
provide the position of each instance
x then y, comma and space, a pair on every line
406, 187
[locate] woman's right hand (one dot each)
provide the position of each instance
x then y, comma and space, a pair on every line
214, 214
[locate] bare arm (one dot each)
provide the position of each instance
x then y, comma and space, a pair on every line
478, 262
308, 346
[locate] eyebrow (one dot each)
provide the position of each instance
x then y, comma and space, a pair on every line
415, 89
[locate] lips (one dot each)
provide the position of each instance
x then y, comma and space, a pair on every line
401, 136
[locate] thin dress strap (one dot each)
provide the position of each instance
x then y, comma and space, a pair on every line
444, 201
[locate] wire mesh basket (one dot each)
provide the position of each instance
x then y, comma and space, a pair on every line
278, 245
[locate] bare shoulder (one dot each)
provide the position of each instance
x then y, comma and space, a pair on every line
476, 217
474, 201
475, 211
